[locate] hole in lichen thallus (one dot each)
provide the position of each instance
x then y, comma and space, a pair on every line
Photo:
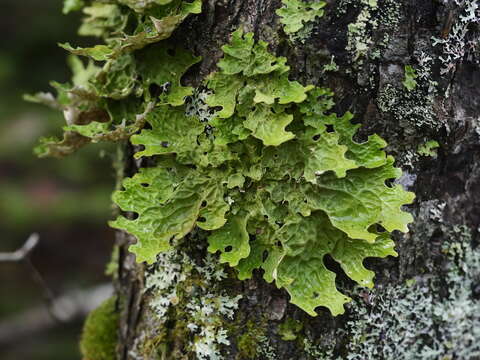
264, 255
389, 182
155, 90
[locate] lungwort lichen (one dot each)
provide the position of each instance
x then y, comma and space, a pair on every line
277, 180
263, 165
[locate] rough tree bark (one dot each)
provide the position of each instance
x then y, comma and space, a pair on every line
371, 42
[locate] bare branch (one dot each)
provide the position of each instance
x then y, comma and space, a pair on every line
22, 256
69, 307
23, 252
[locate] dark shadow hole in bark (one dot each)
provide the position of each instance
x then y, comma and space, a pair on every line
145, 185
316, 137
203, 204
201, 219
228, 248
379, 228
330, 128
164, 144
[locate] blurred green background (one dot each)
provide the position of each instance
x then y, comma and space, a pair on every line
66, 201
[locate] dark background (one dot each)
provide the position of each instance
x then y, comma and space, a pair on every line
66, 201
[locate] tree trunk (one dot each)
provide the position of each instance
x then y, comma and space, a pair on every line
371, 43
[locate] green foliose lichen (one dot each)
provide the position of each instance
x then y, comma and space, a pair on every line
258, 161
275, 178
429, 148
410, 75
294, 14
109, 101
99, 336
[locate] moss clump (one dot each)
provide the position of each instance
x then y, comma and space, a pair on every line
248, 342
99, 335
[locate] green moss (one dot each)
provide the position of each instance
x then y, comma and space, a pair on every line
112, 267
99, 335
289, 329
248, 342
154, 348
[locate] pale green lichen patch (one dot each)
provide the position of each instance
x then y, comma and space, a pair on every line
372, 16
399, 316
462, 39
177, 283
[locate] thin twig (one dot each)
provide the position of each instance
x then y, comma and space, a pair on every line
23, 252
23, 255
35, 321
